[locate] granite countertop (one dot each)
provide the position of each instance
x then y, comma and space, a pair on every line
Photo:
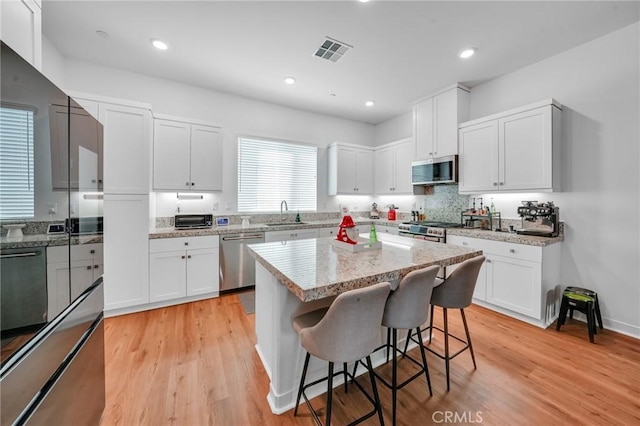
261, 227
506, 237
44, 240
314, 268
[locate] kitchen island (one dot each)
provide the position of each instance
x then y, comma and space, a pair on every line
299, 276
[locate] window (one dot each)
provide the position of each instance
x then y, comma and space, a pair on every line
16, 163
269, 172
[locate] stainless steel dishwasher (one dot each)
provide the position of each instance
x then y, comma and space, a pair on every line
237, 266
24, 287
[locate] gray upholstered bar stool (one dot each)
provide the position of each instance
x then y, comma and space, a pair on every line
455, 292
406, 309
345, 332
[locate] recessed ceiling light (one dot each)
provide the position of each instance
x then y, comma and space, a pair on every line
363, 1
369, 103
159, 44
102, 34
289, 80
467, 53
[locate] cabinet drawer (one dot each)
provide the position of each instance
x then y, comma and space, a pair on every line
78, 252
182, 243
510, 250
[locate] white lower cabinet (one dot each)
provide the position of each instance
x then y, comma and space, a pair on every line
517, 279
289, 235
380, 229
183, 267
64, 284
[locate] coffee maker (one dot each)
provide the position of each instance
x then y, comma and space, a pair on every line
539, 219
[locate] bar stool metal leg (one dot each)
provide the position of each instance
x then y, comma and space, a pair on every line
304, 375
375, 391
394, 377
446, 344
424, 359
466, 330
327, 419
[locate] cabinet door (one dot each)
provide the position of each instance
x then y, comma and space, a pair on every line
126, 250
57, 287
383, 165
387, 230
364, 172
445, 123
279, 236
127, 149
171, 160
202, 271
21, 28
206, 158
480, 290
423, 128
478, 160
526, 148
403, 156
81, 277
167, 275
328, 232
514, 284
346, 170
305, 233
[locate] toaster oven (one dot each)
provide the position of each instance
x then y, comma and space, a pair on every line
193, 221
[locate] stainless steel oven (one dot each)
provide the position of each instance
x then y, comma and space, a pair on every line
429, 231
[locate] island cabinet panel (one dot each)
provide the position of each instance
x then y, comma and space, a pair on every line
517, 279
518, 150
350, 169
183, 267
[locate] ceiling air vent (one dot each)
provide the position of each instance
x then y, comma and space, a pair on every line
332, 49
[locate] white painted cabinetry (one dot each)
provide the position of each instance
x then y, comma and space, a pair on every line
435, 122
64, 284
126, 250
289, 235
515, 151
517, 279
380, 229
350, 169
392, 165
21, 28
182, 267
186, 156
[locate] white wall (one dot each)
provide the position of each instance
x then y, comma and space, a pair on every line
52, 63
400, 127
599, 85
236, 116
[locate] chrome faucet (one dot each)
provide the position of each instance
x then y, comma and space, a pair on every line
286, 209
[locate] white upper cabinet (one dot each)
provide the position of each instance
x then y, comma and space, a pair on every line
435, 122
350, 169
21, 28
392, 165
512, 152
186, 156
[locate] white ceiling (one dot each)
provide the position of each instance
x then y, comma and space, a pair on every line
402, 50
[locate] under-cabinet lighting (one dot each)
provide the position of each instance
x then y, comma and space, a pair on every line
97, 196
189, 196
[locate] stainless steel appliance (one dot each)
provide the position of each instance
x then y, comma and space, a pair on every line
237, 266
23, 274
539, 219
435, 171
429, 231
58, 376
89, 225
193, 221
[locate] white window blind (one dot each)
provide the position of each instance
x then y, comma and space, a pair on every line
16, 163
269, 172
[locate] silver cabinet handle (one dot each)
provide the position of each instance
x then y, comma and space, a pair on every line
512, 251
186, 183
488, 260
495, 183
10, 256
501, 183
189, 256
464, 243
182, 257
193, 183
96, 266
89, 267
186, 243
92, 251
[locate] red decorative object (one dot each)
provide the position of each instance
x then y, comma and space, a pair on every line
343, 235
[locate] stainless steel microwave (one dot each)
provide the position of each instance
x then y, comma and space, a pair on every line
435, 171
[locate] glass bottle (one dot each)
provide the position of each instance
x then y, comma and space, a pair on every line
373, 236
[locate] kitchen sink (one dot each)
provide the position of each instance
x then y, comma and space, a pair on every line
285, 223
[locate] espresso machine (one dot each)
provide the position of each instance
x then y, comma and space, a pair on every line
539, 219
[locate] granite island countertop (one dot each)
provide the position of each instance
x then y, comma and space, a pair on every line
45, 240
314, 268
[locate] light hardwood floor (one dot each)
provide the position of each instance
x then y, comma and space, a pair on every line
195, 364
